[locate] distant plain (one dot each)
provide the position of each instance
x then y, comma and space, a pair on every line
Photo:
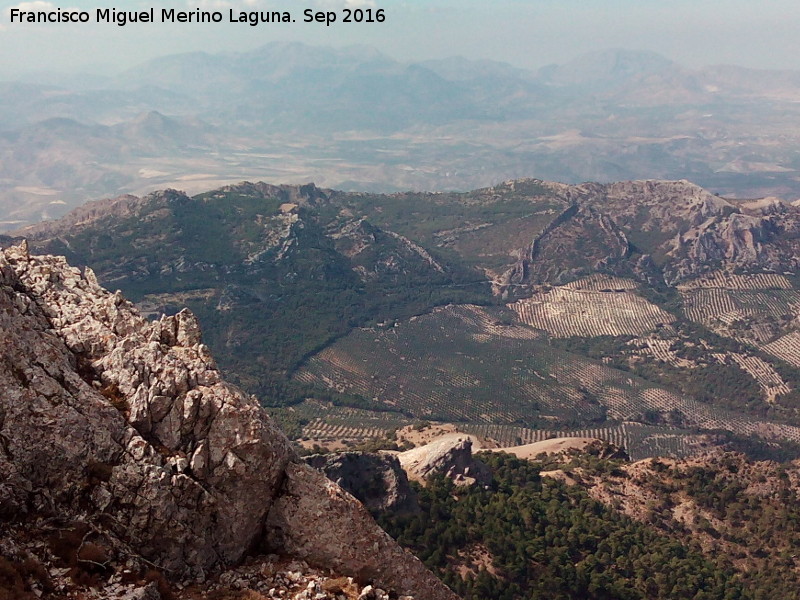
358, 120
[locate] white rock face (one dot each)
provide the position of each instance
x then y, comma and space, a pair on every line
126, 424
196, 464
449, 455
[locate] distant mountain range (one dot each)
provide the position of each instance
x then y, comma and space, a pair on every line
356, 119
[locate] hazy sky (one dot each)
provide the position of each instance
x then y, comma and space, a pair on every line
533, 33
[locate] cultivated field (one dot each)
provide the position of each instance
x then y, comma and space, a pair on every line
326, 423
661, 350
602, 283
673, 350
639, 441
760, 370
729, 281
761, 309
475, 366
750, 308
590, 307
723, 309
458, 363
787, 348
335, 425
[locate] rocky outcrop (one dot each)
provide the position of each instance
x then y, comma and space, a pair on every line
694, 231
656, 205
125, 427
193, 463
376, 480
736, 241
87, 214
580, 241
313, 516
275, 577
657, 231
451, 456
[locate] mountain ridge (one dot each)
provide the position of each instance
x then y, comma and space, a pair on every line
623, 279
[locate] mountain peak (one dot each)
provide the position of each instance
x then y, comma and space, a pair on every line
612, 66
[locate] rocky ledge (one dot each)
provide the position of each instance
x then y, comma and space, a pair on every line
377, 480
122, 450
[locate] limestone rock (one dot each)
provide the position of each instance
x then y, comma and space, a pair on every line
313, 515
450, 456
87, 377
122, 429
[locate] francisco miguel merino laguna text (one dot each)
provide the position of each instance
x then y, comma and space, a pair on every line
171, 15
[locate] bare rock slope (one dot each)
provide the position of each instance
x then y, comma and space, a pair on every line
449, 455
656, 230
125, 426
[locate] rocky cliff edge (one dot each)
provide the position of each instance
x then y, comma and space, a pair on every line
124, 426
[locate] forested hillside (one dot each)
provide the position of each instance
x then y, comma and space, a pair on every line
536, 532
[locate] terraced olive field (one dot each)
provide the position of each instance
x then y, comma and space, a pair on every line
329, 424
769, 380
751, 308
640, 441
481, 368
786, 348
590, 307
661, 350
759, 310
733, 281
